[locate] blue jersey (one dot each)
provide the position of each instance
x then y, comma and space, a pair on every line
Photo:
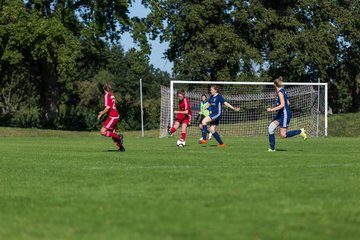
284, 114
216, 106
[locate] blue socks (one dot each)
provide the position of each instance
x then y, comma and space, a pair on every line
272, 141
215, 134
288, 134
217, 137
293, 133
204, 131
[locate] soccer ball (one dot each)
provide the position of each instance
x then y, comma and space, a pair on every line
180, 143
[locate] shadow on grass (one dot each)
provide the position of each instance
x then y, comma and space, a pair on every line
213, 146
285, 150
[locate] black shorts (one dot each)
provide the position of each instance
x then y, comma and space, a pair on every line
215, 120
201, 117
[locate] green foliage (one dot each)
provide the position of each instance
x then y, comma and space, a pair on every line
304, 41
71, 117
55, 55
18, 98
205, 40
344, 125
26, 116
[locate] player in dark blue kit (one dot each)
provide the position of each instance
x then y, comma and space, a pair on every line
283, 116
215, 104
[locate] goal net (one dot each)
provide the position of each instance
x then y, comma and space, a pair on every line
308, 102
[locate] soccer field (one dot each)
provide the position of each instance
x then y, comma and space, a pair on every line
77, 187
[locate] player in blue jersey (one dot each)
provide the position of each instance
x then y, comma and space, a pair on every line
215, 103
283, 116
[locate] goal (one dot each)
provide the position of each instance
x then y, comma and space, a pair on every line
308, 102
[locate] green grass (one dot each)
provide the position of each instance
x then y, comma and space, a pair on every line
66, 185
344, 125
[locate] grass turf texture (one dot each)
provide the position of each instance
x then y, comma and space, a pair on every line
59, 185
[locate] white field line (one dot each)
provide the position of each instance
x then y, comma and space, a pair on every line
325, 165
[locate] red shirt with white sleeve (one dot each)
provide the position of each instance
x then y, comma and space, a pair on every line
111, 102
183, 106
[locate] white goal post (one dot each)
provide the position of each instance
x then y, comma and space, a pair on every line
308, 101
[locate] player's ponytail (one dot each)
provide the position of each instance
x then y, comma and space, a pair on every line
278, 82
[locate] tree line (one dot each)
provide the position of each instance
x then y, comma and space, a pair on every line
259, 40
55, 54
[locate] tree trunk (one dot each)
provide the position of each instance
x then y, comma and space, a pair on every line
50, 92
356, 94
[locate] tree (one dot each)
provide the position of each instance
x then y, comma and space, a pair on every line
205, 37
304, 41
345, 83
48, 37
42, 46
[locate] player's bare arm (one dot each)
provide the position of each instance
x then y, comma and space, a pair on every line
236, 109
106, 109
181, 112
282, 104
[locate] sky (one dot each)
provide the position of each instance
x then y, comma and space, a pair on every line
157, 52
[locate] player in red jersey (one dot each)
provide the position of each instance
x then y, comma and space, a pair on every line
108, 129
183, 116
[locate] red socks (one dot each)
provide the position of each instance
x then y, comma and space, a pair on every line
172, 130
112, 134
116, 141
183, 136
114, 137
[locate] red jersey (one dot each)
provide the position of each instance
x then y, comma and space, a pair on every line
185, 105
111, 102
